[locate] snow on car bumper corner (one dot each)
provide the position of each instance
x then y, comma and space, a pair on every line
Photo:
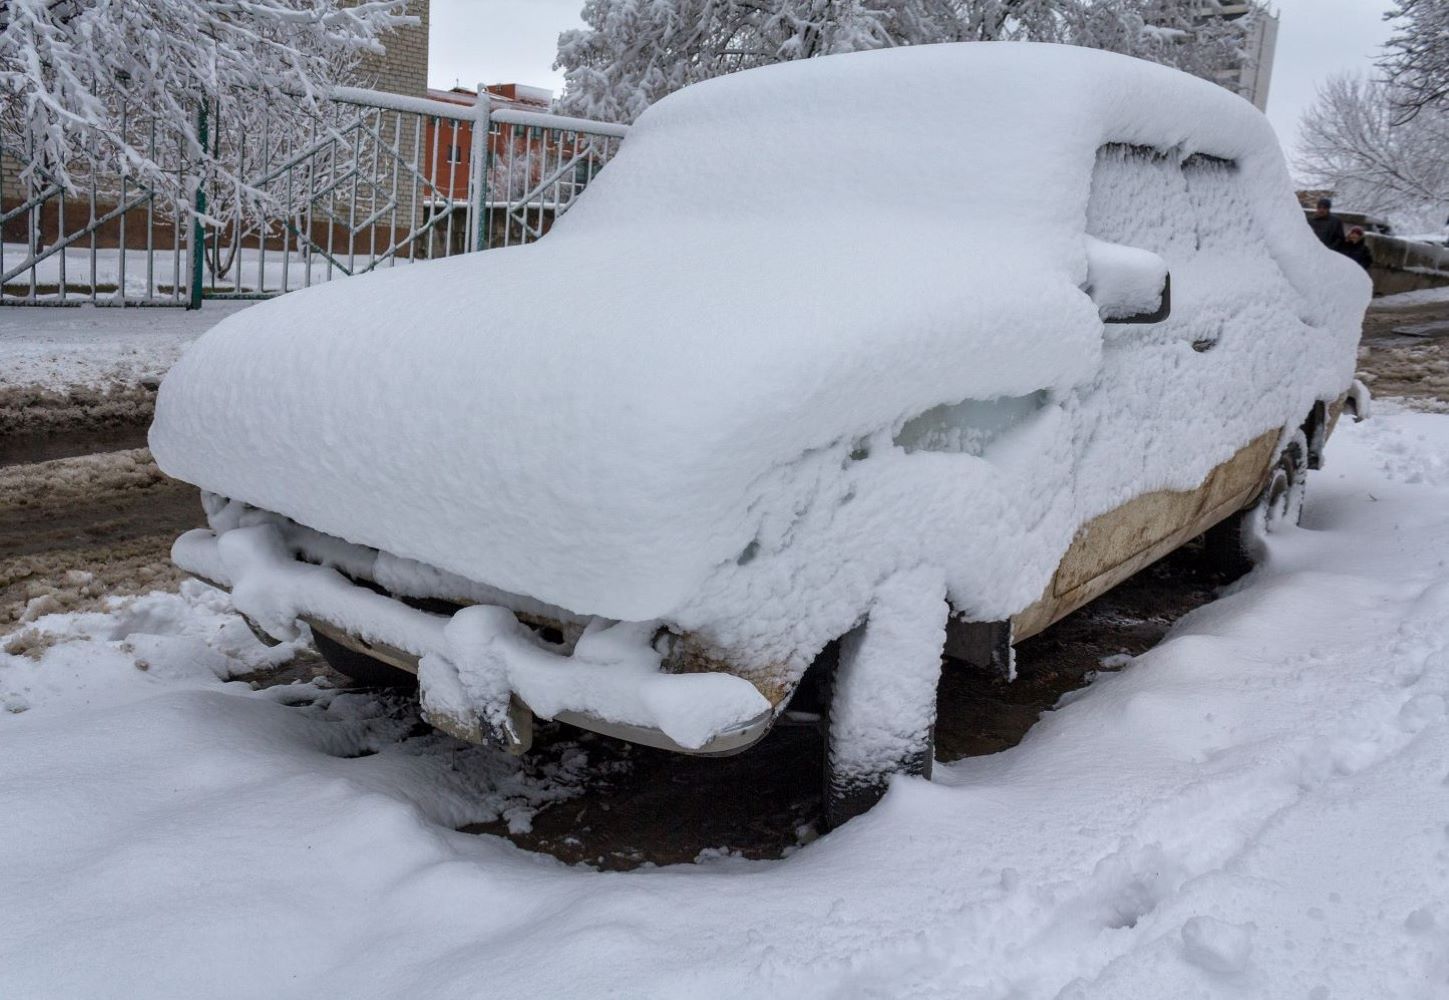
475, 664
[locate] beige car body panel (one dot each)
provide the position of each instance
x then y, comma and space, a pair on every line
1112, 547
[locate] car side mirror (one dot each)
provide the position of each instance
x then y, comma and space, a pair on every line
1128, 285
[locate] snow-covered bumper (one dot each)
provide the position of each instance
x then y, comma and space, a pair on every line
483, 672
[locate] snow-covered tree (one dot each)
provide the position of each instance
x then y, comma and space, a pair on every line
1416, 57
85, 84
633, 52
1350, 142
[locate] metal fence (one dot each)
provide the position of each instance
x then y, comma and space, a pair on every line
366, 181
100, 238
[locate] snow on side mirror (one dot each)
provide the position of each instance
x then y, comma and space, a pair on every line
1129, 285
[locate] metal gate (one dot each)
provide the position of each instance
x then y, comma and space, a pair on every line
104, 238
369, 180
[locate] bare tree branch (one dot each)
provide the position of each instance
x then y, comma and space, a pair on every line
633, 52
1416, 57
1349, 142
84, 83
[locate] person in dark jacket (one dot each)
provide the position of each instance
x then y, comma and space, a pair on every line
1356, 250
1327, 226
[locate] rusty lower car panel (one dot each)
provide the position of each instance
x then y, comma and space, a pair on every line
1110, 548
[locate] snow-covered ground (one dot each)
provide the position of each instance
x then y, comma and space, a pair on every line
60, 347
1256, 808
251, 270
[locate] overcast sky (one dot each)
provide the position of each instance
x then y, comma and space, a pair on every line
514, 41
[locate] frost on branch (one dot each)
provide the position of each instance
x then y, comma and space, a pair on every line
85, 84
1351, 142
633, 52
1416, 57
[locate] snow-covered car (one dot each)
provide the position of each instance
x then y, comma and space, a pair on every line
842, 362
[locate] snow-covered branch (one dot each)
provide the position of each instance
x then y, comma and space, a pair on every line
633, 52
1350, 140
114, 87
1416, 57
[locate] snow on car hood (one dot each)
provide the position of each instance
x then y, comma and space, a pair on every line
777, 265
580, 420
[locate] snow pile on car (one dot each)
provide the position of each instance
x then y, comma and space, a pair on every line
801, 335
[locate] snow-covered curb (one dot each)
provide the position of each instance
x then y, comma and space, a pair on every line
1411, 300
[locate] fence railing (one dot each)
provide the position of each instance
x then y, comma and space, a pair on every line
102, 238
537, 165
369, 180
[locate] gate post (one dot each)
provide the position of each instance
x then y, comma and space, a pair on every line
478, 163
198, 234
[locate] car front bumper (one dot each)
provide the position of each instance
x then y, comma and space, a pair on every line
276, 588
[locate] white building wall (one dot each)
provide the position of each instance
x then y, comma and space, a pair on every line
1257, 71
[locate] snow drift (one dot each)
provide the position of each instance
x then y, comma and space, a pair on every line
1254, 809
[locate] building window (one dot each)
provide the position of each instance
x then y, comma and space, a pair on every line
455, 154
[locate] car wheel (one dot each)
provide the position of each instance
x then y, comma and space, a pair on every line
1234, 546
363, 669
849, 794
858, 764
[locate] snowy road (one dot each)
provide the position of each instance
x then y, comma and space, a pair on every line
76, 530
1410, 367
57, 347
75, 380
1256, 808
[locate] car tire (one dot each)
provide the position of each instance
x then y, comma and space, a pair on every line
850, 793
363, 669
1237, 544
846, 797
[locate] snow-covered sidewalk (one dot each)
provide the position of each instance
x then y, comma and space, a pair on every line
80, 379
58, 347
1256, 808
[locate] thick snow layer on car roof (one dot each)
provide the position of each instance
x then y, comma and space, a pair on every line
684, 403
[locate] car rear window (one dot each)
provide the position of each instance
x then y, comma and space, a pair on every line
1174, 206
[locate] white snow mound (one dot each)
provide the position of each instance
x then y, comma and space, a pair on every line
815, 325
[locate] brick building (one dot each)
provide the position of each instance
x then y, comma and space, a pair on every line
403, 68
531, 174
454, 145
